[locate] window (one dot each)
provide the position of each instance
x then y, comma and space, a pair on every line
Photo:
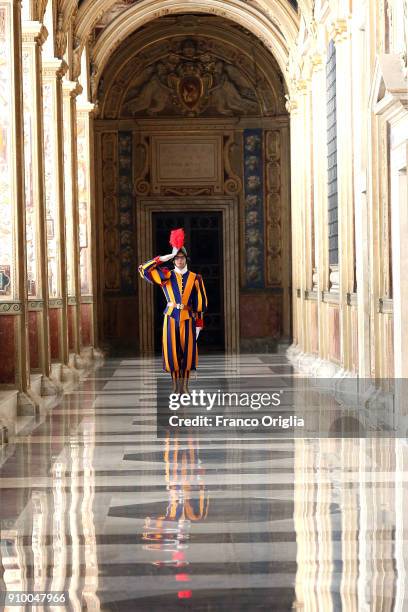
333, 229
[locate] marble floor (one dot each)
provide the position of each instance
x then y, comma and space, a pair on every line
93, 503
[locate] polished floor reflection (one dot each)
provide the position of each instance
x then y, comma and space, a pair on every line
94, 504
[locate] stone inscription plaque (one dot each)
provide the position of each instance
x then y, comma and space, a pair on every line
179, 161
187, 161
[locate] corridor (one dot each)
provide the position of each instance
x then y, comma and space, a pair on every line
92, 503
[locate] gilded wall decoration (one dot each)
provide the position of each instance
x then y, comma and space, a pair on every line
191, 79
31, 223
83, 207
254, 205
127, 230
274, 236
51, 190
110, 211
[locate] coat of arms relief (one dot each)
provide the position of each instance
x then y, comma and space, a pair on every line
191, 80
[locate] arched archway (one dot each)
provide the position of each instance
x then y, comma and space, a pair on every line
192, 118
275, 23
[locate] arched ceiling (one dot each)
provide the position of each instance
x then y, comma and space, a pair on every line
96, 15
274, 22
152, 61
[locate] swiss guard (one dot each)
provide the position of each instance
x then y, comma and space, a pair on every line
183, 316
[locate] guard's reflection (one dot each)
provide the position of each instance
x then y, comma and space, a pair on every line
188, 501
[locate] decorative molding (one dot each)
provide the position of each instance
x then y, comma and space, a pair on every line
87, 299
233, 183
56, 303
60, 38
71, 88
111, 240
389, 93
273, 208
54, 68
190, 160
330, 297
313, 296
142, 183
35, 305
34, 32
254, 208
126, 214
72, 301
11, 308
385, 306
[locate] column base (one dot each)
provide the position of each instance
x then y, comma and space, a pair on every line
64, 375
28, 404
45, 392
93, 354
8, 414
313, 365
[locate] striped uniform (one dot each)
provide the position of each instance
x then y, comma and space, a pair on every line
179, 325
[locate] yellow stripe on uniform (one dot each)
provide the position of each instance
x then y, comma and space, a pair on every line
173, 342
190, 344
182, 336
172, 298
188, 287
204, 291
179, 283
165, 348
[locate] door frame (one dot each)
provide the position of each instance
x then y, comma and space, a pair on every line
228, 206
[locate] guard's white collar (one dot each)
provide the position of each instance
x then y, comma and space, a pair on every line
181, 271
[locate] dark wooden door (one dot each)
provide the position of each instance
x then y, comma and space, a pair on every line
203, 241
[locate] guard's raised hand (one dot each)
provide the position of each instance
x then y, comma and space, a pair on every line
170, 256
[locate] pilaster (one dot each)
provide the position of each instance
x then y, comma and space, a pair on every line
53, 71
71, 89
34, 35
87, 221
14, 364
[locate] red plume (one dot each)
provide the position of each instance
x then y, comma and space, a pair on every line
177, 238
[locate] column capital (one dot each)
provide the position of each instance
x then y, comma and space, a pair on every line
339, 30
71, 88
86, 107
316, 59
54, 68
291, 104
34, 32
302, 86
